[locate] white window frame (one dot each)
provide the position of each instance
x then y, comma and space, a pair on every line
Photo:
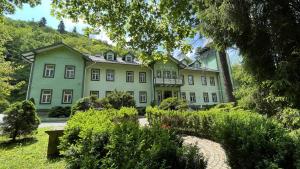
183, 95
191, 79
110, 57
167, 74
110, 75
192, 97
49, 71
46, 98
128, 58
158, 73
143, 97
94, 93
129, 76
212, 81
214, 97
67, 98
197, 65
204, 80
205, 97
69, 73
95, 74
142, 77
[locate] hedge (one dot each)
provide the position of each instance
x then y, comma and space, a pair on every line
250, 140
113, 139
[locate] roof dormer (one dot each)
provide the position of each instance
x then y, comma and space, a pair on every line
110, 55
128, 58
196, 64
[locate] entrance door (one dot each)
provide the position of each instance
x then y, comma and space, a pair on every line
167, 94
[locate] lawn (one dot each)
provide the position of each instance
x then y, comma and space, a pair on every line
27, 153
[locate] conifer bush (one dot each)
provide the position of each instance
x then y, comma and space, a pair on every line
173, 103
59, 111
20, 119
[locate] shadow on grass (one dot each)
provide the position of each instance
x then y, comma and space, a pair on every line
9, 144
55, 160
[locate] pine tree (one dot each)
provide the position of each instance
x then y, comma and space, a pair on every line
43, 22
61, 27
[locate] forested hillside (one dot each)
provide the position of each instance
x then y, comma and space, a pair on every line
25, 36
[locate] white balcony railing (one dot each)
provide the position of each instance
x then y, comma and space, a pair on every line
167, 81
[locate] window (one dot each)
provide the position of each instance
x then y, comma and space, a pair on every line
129, 76
167, 74
110, 75
131, 93
110, 56
205, 97
143, 97
95, 74
203, 80
183, 95
69, 72
191, 80
94, 93
67, 96
212, 81
192, 97
49, 70
197, 65
175, 94
46, 96
214, 97
142, 77
158, 74
128, 58
174, 75
107, 93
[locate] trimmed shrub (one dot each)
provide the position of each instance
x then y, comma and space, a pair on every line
87, 133
20, 119
290, 118
113, 139
250, 140
59, 111
118, 99
173, 103
32, 100
85, 104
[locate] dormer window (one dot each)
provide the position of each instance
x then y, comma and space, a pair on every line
197, 65
110, 56
128, 58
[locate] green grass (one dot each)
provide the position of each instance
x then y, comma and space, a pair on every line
27, 153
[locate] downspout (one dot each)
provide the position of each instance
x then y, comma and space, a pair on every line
30, 78
85, 71
152, 85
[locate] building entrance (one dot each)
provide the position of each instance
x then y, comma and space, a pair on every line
167, 94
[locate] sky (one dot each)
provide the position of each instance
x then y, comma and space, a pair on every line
44, 10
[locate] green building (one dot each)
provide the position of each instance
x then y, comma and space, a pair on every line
60, 75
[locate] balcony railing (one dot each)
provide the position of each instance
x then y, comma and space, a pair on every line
168, 81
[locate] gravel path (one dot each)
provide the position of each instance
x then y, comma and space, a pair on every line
212, 151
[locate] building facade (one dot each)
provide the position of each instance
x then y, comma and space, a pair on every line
60, 75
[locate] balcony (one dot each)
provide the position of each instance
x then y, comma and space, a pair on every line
168, 81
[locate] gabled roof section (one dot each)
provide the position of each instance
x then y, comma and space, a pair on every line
29, 56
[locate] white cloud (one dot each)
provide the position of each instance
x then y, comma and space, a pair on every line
103, 36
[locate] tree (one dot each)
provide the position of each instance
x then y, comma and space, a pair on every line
7, 69
61, 27
8, 6
20, 119
43, 22
74, 30
267, 32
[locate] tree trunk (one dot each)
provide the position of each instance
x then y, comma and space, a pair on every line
227, 80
